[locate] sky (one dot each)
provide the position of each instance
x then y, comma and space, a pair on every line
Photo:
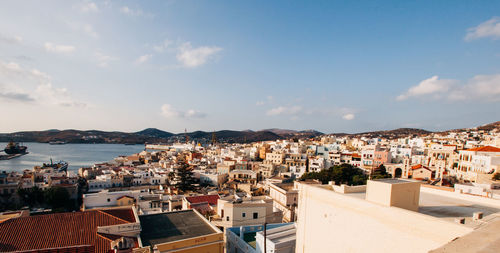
332, 66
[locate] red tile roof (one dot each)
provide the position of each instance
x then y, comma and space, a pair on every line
211, 199
125, 214
484, 149
72, 249
61, 230
202, 208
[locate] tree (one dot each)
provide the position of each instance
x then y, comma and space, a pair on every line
496, 176
186, 179
58, 198
341, 174
33, 197
380, 172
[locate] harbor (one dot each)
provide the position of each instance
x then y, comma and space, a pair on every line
77, 155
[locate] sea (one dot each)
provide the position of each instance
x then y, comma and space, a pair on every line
77, 155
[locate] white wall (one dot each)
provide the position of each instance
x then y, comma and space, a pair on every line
333, 222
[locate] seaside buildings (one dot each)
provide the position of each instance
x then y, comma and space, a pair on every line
434, 189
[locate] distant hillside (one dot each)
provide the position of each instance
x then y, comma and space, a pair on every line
390, 134
77, 136
153, 132
149, 135
153, 135
489, 127
294, 133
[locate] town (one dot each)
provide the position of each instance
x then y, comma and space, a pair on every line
431, 192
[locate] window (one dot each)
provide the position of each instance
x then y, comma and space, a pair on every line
255, 215
109, 200
227, 218
243, 215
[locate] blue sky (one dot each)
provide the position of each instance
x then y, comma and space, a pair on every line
334, 66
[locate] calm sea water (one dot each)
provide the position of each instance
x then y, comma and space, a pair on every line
77, 155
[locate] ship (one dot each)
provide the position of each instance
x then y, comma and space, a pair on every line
59, 166
14, 148
57, 143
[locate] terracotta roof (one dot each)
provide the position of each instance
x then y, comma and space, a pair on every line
419, 166
484, 149
210, 199
202, 208
61, 230
71, 249
125, 214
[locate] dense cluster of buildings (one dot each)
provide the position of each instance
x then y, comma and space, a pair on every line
441, 193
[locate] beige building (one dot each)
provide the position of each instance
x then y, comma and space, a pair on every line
285, 199
477, 161
386, 218
233, 211
275, 158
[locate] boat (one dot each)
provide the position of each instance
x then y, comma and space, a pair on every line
8, 157
59, 166
57, 143
14, 148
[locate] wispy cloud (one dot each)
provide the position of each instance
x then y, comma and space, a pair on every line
33, 86
487, 29
15, 96
89, 30
349, 116
263, 102
480, 87
143, 58
193, 57
284, 110
135, 12
54, 48
168, 111
160, 48
11, 39
103, 59
431, 87
88, 7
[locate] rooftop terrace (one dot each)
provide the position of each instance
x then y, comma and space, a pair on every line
172, 226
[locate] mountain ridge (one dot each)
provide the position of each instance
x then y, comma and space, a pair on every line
155, 135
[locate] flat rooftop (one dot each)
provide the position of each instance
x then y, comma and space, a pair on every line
394, 181
173, 226
448, 207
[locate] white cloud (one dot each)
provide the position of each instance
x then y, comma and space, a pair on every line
193, 57
11, 39
31, 85
490, 28
163, 46
143, 58
89, 30
168, 111
349, 116
135, 12
480, 88
284, 110
432, 87
89, 7
268, 98
103, 60
64, 49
